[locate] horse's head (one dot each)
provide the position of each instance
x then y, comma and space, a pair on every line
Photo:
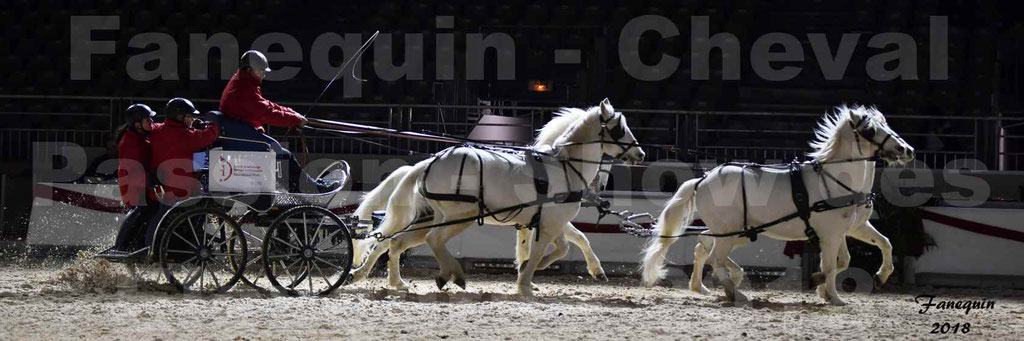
618, 140
874, 137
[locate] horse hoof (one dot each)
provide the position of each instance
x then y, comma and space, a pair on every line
461, 282
441, 282
703, 290
400, 285
349, 279
601, 277
877, 282
817, 278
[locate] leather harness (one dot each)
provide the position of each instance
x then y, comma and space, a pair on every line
798, 189
541, 180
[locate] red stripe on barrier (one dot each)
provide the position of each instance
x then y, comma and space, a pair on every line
83, 200
598, 228
972, 226
95, 203
101, 204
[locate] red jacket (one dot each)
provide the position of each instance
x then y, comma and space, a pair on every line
133, 167
243, 100
173, 145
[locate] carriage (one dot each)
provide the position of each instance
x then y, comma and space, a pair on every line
242, 227
306, 248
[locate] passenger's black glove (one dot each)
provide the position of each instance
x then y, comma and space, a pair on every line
213, 116
199, 124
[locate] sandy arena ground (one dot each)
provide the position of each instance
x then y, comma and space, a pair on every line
90, 300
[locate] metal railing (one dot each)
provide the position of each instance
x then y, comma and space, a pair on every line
667, 134
1011, 145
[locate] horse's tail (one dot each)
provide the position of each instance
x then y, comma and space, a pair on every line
405, 203
678, 214
374, 200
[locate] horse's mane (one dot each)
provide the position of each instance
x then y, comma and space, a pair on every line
564, 120
826, 135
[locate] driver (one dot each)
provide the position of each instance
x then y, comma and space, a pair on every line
247, 111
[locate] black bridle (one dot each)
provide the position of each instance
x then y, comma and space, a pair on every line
868, 134
615, 133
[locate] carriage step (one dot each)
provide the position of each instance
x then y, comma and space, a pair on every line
137, 256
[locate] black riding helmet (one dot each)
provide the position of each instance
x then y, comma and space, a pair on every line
136, 113
178, 107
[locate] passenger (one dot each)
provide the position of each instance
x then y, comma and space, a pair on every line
246, 110
133, 150
174, 143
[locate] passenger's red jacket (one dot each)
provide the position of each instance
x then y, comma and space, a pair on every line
243, 100
133, 167
173, 145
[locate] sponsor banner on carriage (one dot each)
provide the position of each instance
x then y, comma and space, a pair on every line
237, 171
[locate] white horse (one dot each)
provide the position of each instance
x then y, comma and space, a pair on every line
847, 143
506, 189
377, 199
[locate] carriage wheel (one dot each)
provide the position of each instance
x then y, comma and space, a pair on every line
197, 248
253, 273
307, 251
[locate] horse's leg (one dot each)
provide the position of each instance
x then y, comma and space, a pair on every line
364, 270
398, 246
868, 234
700, 256
523, 243
547, 232
577, 237
561, 249
829, 259
735, 272
445, 261
522, 247
719, 258
843, 262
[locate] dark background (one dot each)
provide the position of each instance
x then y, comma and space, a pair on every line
984, 45
944, 119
